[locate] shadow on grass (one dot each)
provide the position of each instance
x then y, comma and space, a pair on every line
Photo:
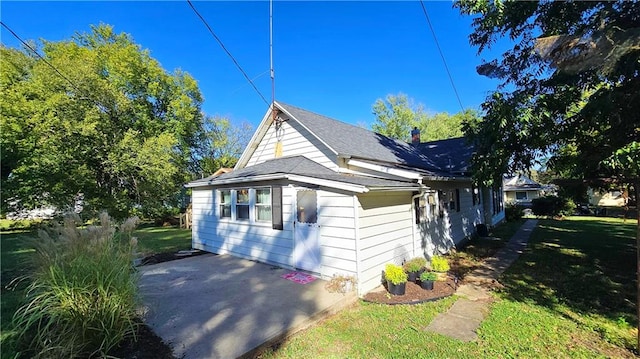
581, 269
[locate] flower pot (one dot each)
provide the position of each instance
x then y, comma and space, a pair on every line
427, 284
396, 289
413, 276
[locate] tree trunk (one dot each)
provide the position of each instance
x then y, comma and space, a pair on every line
636, 187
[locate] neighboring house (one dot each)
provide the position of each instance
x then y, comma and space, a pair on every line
613, 198
521, 190
319, 195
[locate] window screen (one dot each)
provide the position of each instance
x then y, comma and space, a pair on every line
307, 207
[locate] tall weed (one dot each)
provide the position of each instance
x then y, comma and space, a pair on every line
83, 289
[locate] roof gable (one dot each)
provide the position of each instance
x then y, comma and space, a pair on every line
520, 182
352, 141
345, 140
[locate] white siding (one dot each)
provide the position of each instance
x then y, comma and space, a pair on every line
256, 241
437, 234
385, 221
337, 233
296, 141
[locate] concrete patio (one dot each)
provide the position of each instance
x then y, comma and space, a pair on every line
218, 306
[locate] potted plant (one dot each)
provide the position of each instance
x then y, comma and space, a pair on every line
440, 265
414, 267
427, 279
396, 279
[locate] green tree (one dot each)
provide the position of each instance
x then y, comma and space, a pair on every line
570, 89
114, 128
222, 144
397, 115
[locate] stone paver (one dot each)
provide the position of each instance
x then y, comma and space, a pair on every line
464, 317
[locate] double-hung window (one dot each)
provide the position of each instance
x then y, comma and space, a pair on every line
263, 205
246, 204
242, 204
225, 204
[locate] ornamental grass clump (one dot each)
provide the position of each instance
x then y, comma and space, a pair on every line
82, 295
415, 264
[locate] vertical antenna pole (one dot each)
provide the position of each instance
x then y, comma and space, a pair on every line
273, 81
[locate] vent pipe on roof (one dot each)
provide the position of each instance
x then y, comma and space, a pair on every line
415, 136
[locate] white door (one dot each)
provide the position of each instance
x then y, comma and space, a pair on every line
306, 249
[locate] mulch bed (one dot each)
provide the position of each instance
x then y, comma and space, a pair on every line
146, 346
414, 294
171, 256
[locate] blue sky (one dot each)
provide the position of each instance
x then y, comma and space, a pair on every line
331, 57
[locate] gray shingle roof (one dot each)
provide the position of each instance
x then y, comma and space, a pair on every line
302, 166
357, 142
520, 182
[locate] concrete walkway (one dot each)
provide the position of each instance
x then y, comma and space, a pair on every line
462, 320
212, 306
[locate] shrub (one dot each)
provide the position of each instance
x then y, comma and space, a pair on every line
395, 274
82, 296
513, 212
415, 264
552, 206
428, 276
439, 264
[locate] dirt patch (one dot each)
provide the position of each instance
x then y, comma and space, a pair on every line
414, 294
146, 346
171, 256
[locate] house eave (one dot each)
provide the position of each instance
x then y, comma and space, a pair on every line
281, 176
406, 174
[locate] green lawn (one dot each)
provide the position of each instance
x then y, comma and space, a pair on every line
15, 252
571, 294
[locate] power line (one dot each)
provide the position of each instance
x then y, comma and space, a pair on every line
424, 9
75, 87
38, 54
228, 53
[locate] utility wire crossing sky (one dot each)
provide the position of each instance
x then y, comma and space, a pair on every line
334, 58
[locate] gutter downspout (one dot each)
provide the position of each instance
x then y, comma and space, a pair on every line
413, 214
356, 222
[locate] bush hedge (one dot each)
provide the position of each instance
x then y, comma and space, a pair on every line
553, 206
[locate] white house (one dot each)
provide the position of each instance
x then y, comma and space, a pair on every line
521, 189
316, 194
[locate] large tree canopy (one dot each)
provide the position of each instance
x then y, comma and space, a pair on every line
397, 115
110, 125
570, 89
570, 85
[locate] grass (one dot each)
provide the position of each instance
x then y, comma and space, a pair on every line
163, 239
15, 253
479, 248
570, 295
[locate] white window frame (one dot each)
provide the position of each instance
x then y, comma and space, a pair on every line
526, 196
257, 205
251, 204
225, 204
